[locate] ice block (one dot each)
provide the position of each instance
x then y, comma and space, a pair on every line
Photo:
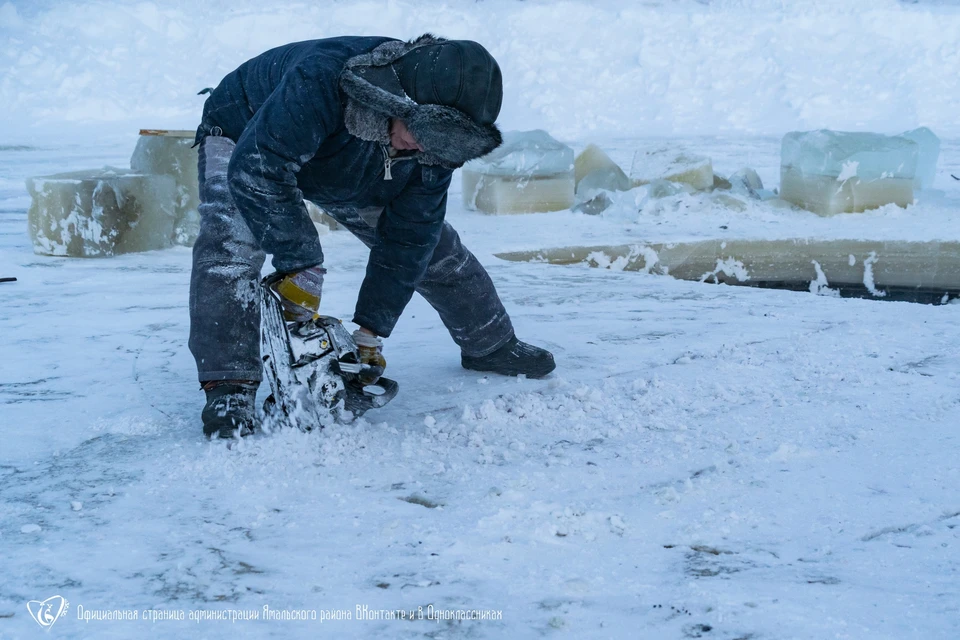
100, 213
747, 182
830, 172
171, 153
503, 194
664, 189
320, 217
593, 160
675, 165
929, 145
530, 172
728, 201
596, 175
873, 266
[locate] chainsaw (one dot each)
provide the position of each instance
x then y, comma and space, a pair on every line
313, 370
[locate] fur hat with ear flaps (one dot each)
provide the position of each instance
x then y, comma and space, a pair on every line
447, 92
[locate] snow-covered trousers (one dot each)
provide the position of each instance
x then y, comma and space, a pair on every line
224, 294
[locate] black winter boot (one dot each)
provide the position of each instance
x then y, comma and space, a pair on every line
513, 359
230, 410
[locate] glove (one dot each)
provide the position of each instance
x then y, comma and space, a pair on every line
300, 293
371, 357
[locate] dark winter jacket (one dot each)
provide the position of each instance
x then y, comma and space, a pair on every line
300, 134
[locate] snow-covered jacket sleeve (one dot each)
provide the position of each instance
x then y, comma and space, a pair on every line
285, 133
407, 234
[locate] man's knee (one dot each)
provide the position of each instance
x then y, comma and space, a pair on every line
449, 257
225, 240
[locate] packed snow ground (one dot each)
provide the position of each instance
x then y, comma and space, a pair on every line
707, 461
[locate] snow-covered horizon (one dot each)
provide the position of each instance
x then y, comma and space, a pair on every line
78, 70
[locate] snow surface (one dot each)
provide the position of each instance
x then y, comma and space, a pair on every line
767, 464
707, 461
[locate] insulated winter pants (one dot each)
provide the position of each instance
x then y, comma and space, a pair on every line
224, 285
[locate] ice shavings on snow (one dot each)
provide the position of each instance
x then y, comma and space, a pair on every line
603, 261
727, 266
820, 286
868, 281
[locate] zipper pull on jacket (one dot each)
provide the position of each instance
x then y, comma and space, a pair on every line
387, 164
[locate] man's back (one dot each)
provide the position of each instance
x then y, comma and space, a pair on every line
242, 92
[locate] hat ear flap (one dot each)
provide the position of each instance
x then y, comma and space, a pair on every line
450, 136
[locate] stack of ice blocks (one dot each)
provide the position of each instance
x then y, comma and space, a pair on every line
530, 172
103, 212
830, 172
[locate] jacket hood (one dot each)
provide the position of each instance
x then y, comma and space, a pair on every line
375, 94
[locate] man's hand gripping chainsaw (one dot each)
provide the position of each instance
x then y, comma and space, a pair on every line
317, 372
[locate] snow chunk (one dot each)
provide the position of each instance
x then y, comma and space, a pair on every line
675, 165
868, 280
31, 528
821, 286
659, 189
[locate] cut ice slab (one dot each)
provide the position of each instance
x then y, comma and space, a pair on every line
873, 266
501, 194
869, 156
530, 172
747, 182
321, 219
526, 153
675, 165
593, 161
172, 153
90, 214
596, 175
929, 153
830, 172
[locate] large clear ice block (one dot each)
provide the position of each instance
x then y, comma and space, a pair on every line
99, 213
530, 172
929, 145
830, 172
172, 153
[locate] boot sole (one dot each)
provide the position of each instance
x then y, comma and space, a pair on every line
538, 372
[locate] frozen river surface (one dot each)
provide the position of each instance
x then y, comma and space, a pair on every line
707, 461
